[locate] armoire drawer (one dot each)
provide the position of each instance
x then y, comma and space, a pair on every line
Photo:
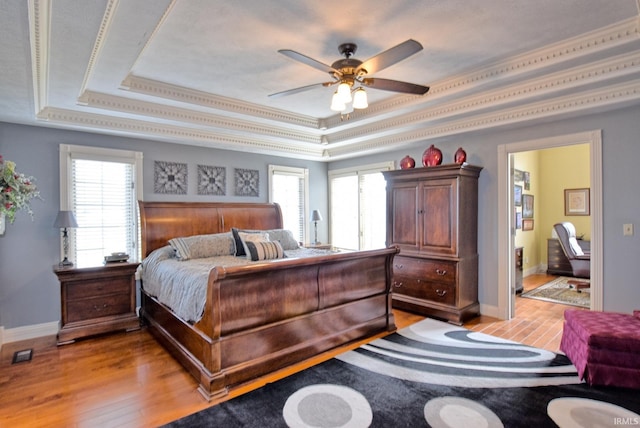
422, 289
440, 271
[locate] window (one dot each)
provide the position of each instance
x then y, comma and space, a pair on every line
101, 187
358, 206
289, 187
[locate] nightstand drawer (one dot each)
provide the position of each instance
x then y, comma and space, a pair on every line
97, 307
98, 287
421, 289
429, 270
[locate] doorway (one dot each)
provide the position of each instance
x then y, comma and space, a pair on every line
506, 235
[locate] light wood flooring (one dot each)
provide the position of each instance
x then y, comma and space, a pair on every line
129, 380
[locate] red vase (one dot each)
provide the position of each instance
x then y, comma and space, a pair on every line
432, 156
407, 162
460, 157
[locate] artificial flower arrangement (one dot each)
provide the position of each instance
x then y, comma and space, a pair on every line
16, 190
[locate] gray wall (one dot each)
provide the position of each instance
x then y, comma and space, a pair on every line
29, 291
621, 195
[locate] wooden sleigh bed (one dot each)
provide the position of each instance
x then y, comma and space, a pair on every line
266, 315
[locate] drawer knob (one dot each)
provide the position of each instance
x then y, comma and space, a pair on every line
441, 293
441, 272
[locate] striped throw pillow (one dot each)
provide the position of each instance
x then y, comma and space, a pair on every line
264, 250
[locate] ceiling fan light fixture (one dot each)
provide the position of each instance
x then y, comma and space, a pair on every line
336, 102
344, 92
360, 99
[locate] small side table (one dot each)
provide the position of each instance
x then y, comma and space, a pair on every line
96, 300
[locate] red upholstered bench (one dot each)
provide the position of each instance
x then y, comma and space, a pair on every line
604, 346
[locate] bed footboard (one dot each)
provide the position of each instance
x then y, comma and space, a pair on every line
263, 317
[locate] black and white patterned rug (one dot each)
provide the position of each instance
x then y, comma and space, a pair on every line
431, 374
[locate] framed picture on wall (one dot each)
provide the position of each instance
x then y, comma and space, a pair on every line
517, 195
527, 206
518, 220
576, 201
527, 224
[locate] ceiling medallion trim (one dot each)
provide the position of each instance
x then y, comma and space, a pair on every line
190, 96
126, 105
568, 104
605, 38
582, 75
143, 129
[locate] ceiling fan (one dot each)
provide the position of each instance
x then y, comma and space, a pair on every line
352, 74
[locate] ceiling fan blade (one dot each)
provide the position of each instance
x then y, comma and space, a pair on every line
390, 56
309, 61
300, 89
395, 86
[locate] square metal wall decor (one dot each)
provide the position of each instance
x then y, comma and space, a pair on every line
212, 180
170, 178
247, 182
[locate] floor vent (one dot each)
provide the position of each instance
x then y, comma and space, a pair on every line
22, 356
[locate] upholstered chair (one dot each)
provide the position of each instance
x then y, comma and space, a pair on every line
579, 259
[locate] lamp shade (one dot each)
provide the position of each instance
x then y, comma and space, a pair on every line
65, 219
344, 92
336, 103
316, 216
360, 99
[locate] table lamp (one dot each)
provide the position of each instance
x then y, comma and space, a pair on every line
64, 220
315, 218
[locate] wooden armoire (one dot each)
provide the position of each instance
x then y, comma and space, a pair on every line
432, 216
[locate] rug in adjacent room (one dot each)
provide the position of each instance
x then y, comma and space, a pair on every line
430, 374
560, 291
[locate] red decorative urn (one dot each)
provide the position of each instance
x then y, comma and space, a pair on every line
407, 162
460, 157
432, 156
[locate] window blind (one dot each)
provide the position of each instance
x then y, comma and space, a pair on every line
103, 200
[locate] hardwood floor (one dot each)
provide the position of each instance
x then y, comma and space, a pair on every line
129, 380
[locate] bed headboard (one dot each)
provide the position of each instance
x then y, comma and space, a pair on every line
161, 221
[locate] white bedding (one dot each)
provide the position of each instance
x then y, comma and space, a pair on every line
182, 285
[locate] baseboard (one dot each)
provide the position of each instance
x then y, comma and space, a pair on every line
489, 310
29, 332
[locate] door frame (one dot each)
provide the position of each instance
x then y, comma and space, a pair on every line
506, 235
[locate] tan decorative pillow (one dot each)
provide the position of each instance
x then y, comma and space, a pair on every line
251, 237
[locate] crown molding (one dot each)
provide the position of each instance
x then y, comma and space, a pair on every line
177, 134
600, 71
39, 18
182, 115
595, 99
615, 35
177, 93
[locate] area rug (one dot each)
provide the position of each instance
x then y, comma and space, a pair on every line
430, 374
559, 291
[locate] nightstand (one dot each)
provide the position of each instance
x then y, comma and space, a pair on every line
96, 300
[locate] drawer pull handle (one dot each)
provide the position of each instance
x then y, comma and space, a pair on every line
399, 266
397, 284
441, 272
96, 308
441, 293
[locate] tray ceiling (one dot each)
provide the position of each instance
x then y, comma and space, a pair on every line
199, 72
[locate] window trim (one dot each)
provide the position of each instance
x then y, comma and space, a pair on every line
356, 171
298, 172
68, 151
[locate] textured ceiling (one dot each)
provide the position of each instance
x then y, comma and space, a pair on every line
200, 71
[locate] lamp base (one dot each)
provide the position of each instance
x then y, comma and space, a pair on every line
65, 263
